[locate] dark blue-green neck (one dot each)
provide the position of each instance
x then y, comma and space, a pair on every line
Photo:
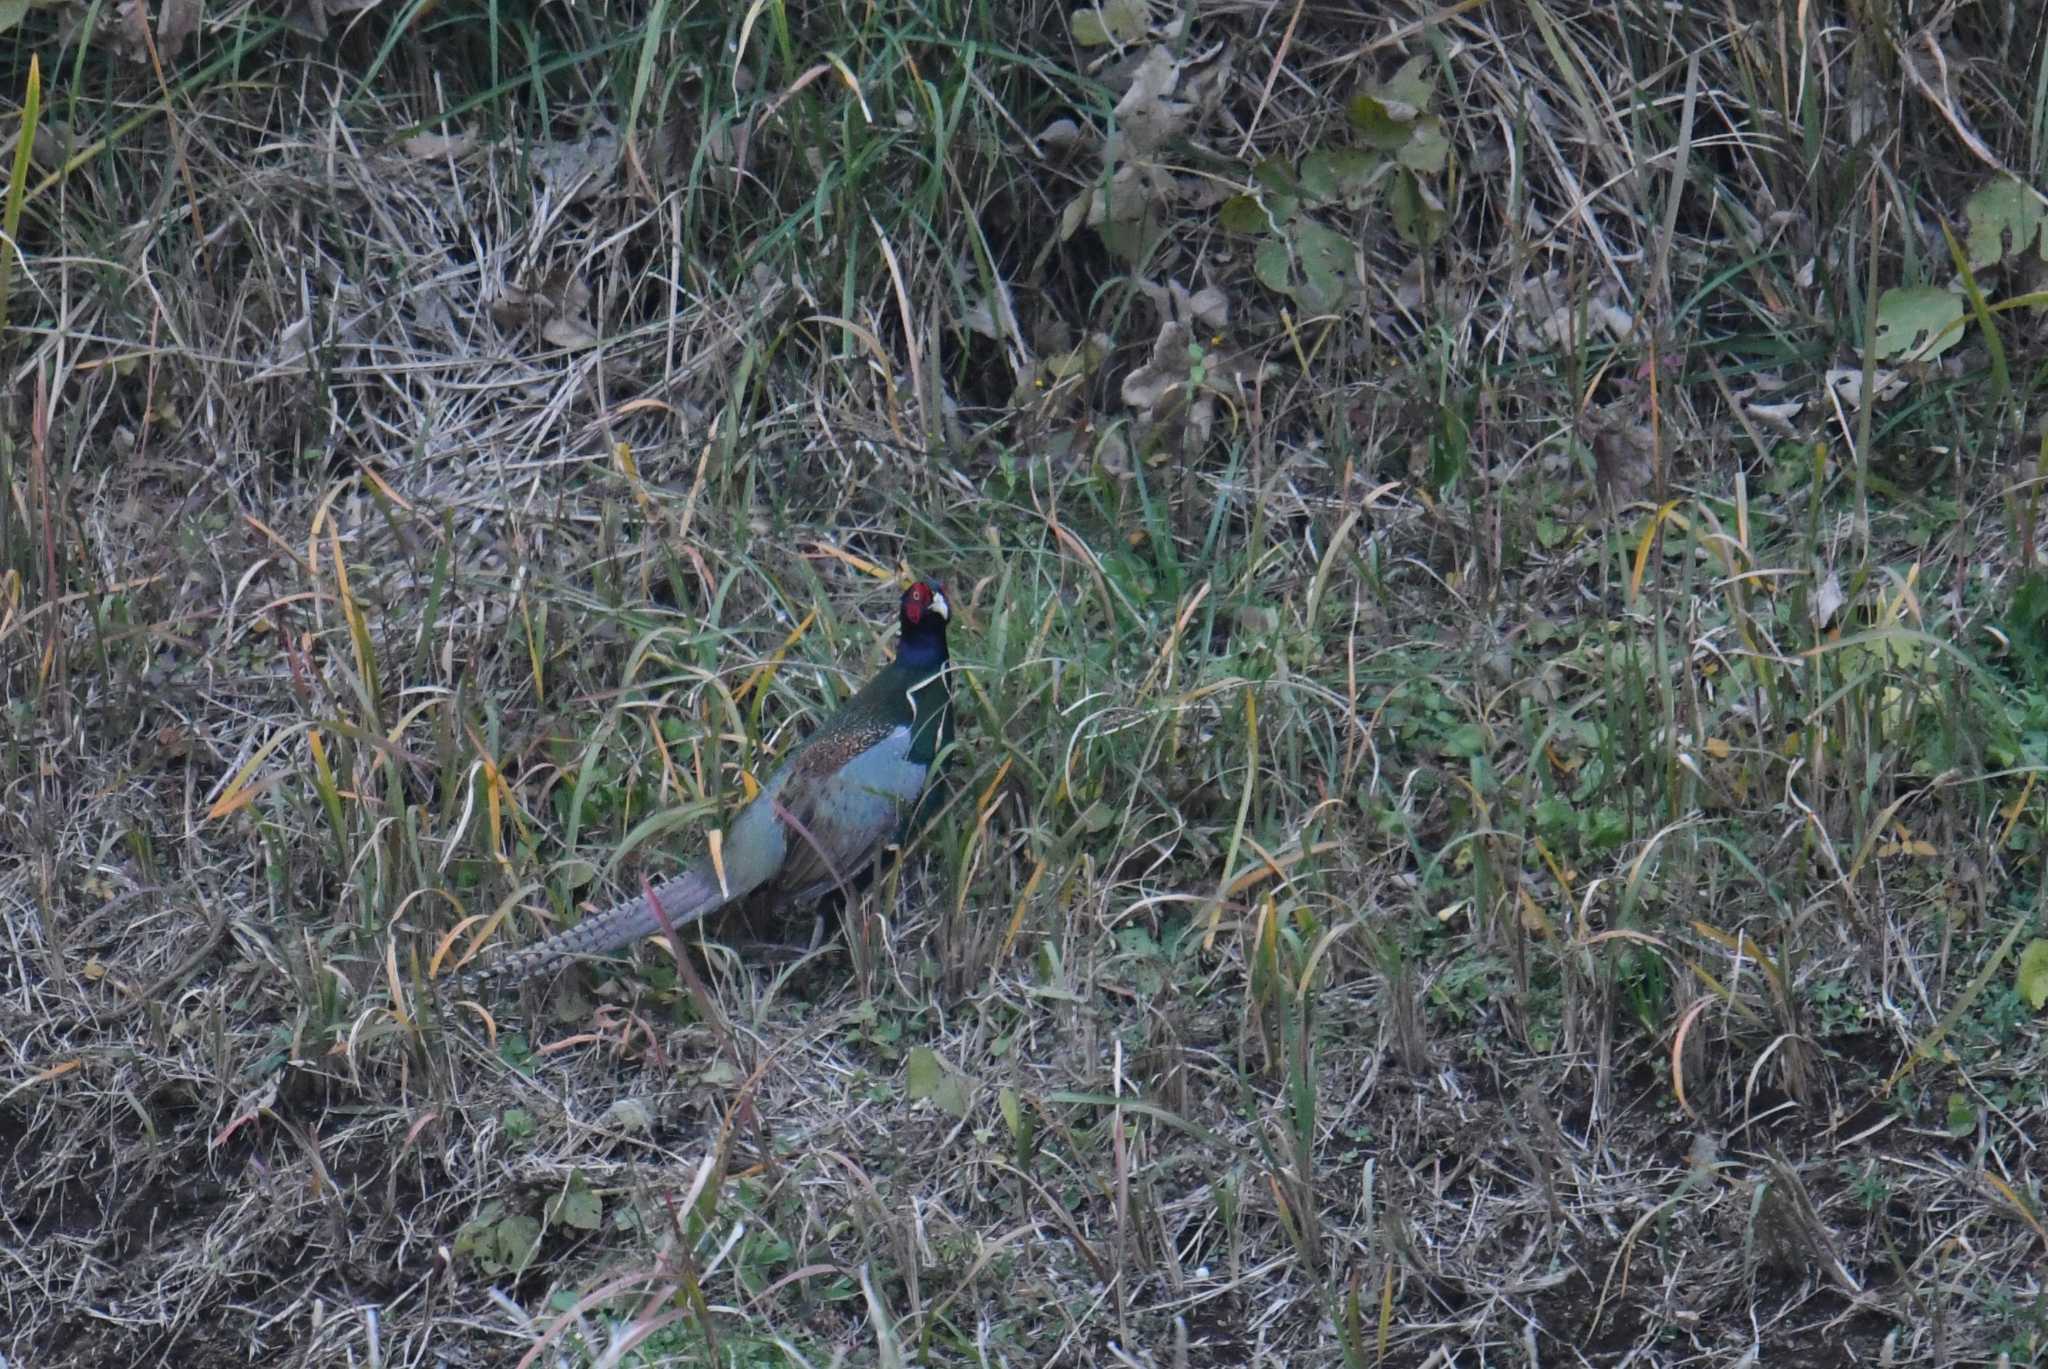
921, 666
922, 651
923, 690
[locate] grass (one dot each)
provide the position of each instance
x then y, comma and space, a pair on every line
1497, 811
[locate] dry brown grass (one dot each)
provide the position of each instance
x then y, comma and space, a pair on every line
394, 526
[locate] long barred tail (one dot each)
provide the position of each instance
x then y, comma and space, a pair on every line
685, 898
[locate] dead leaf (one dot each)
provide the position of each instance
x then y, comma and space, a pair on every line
54, 143
1147, 388
1113, 451
1408, 290
1079, 211
177, 21
1185, 382
1133, 190
556, 306
1552, 310
310, 16
1846, 383
1827, 601
571, 332
573, 170
726, 148
1624, 458
1777, 417
434, 147
1207, 308
1147, 118
1063, 138
1205, 78
131, 31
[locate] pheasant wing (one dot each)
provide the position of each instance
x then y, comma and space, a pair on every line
844, 800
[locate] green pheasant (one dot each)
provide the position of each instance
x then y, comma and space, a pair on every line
821, 819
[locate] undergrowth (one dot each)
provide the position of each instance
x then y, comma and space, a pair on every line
1498, 649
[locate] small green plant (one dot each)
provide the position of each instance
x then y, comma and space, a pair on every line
1399, 151
1868, 1184
500, 1240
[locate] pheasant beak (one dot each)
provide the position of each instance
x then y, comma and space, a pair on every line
938, 606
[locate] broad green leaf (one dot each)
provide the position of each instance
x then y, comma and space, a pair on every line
1126, 20
2001, 209
1409, 86
1274, 265
1377, 123
1918, 323
577, 1206
514, 1242
924, 1072
930, 1079
1387, 114
1465, 741
1277, 175
1129, 239
1081, 361
630, 1115
1243, 214
1418, 218
2032, 980
1427, 149
12, 12
1013, 1111
1338, 173
1327, 258
1312, 265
